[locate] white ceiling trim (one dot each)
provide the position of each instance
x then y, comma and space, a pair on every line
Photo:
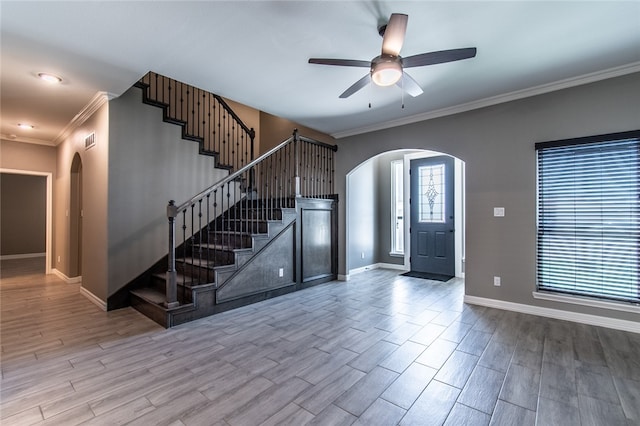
34, 141
494, 100
94, 105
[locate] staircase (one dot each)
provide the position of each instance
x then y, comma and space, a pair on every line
205, 267
205, 118
267, 229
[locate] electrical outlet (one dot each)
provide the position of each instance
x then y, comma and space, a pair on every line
281, 272
362, 255
498, 211
496, 281
58, 259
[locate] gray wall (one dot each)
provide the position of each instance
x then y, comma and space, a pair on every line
383, 207
361, 202
497, 144
370, 211
22, 214
94, 198
149, 164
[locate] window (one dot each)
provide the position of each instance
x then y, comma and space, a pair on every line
397, 207
588, 216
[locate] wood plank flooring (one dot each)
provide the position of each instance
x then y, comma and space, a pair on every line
381, 349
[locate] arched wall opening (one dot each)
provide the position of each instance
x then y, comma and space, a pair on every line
369, 213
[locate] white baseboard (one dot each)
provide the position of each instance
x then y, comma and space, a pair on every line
93, 298
63, 277
596, 320
371, 267
391, 266
22, 256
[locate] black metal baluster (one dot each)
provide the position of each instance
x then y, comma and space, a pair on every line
215, 224
200, 240
225, 239
208, 227
207, 124
184, 246
193, 260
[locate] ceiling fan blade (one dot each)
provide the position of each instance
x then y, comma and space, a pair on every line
394, 34
409, 85
356, 86
341, 62
439, 57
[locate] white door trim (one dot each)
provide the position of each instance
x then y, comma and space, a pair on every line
49, 207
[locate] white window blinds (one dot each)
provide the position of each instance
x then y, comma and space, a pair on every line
588, 216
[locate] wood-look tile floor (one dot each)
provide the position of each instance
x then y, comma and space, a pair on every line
381, 349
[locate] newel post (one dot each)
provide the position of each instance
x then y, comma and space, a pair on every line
296, 156
171, 287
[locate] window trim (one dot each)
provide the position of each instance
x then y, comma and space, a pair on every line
396, 251
593, 302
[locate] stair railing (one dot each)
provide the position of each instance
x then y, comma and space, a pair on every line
217, 217
204, 116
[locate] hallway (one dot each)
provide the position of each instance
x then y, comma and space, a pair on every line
380, 349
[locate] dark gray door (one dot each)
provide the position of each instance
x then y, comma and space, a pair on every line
432, 232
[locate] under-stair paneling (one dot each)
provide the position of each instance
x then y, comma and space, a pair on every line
318, 239
316, 244
262, 272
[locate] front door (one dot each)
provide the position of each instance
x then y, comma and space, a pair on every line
432, 218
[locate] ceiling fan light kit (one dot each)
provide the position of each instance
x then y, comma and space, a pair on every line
388, 68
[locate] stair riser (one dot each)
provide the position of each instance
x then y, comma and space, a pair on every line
198, 273
252, 227
268, 203
231, 240
215, 256
184, 292
257, 214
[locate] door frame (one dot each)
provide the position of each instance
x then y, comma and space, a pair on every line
459, 208
49, 208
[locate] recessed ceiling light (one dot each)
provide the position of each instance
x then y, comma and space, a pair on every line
50, 78
25, 126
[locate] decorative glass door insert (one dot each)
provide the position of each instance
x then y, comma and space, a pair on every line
432, 194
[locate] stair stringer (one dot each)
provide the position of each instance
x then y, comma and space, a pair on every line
146, 99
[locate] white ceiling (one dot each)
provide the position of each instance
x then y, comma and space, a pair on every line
256, 52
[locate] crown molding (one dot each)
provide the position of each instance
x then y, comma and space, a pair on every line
495, 100
94, 104
14, 138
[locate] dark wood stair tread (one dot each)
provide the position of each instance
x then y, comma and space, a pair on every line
150, 294
180, 278
220, 247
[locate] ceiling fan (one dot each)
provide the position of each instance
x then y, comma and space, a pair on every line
388, 68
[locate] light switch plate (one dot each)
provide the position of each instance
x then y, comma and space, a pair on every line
498, 211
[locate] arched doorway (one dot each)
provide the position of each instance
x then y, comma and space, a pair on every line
75, 218
372, 221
